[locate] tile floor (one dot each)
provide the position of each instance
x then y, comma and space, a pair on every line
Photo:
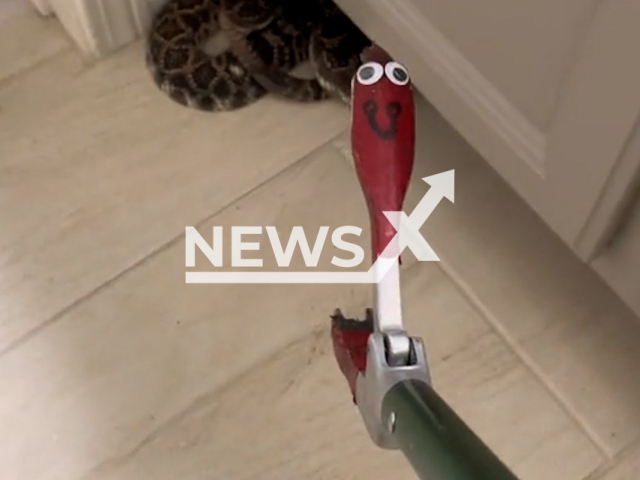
112, 368
11, 8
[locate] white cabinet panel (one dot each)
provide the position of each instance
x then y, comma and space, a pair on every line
525, 49
548, 92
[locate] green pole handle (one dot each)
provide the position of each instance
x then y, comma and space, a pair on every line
437, 443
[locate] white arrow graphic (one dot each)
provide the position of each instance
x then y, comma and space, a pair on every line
442, 186
408, 227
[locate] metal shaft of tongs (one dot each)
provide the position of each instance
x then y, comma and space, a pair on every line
386, 368
382, 142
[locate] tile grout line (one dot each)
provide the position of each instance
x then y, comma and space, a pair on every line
608, 466
601, 470
68, 47
11, 77
25, 337
493, 322
204, 399
512, 344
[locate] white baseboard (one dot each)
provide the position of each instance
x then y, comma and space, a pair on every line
100, 27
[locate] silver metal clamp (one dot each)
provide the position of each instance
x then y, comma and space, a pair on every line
380, 376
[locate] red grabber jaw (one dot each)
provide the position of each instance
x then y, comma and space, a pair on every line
377, 353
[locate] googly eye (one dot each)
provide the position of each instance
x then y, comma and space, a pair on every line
369, 73
396, 73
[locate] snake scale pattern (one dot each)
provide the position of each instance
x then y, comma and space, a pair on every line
267, 40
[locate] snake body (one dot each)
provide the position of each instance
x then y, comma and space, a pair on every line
335, 45
267, 39
335, 48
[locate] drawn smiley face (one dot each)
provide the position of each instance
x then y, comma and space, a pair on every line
383, 78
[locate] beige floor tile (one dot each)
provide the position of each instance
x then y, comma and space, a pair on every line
98, 169
104, 376
623, 467
144, 378
489, 387
27, 39
10, 8
578, 335
105, 386
291, 416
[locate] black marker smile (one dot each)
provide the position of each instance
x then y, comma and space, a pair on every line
392, 110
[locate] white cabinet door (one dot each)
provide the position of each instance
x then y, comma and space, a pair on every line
548, 91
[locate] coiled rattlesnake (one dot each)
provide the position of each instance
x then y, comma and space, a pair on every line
268, 38
263, 34
335, 47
